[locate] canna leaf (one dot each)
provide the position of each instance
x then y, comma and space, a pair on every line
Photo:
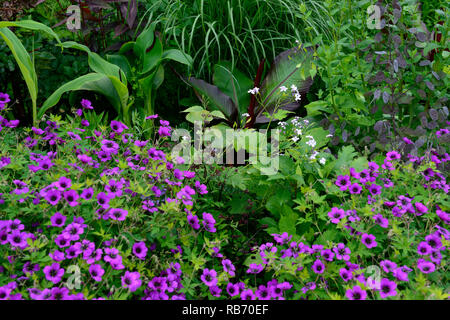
215, 99
289, 68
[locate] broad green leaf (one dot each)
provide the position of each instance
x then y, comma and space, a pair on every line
92, 82
193, 109
152, 58
97, 63
32, 25
122, 62
287, 221
23, 60
144, 41
315, 108
177, 55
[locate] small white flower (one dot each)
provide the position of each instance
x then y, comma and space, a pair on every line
282, 124
295, 139
310, 137
298, 97
294, 88
311, 143
313, 155
298, 132
246, 115
329, 135
283, 89
322, 160
255, 90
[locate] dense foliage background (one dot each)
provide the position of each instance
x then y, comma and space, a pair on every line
94, 204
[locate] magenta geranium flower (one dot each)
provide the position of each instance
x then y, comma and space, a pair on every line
248, 295
86, 104
96, 271
228, 267
54, 273
118, 214
71, 197
393, 155
336, 215
342, 252
426, 266
209, 277
387, 288
356, 293
388, 266
53, 196
118, 126
131, 280
140, 250
58, 220
369, 240
63, 183
355, 188
318, 267
343, 182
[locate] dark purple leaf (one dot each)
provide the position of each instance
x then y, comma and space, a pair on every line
420, 142
377, 94
422, 93
38, 3
429, 85
432, 125
374, 109
433, 114
397, 15
435, 75
386, 97
215, 99
378, 37
395, 65
401, 61
421, 36
132, 12
424, 63
344, 135
379, 77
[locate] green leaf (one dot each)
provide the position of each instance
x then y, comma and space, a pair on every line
31, 25
345, 156
92, 82
287, 221
315, 108
97, 63
177, 55
23, 60
153, 57
122, 62
144, 41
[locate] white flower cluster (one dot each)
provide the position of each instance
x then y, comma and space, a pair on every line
255, 90
311, 142
295, 92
